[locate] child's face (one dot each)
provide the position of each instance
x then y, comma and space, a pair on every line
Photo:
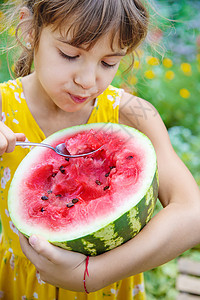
71, 76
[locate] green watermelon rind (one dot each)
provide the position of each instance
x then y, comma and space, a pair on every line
112, 233
119, 231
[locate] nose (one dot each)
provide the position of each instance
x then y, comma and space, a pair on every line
86, 77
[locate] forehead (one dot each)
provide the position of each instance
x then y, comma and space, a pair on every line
109, 40
78, 36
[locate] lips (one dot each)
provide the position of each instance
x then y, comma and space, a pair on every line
78, 99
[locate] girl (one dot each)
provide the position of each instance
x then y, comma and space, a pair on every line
76, 47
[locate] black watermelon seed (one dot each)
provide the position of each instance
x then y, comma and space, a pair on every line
112, 167
98, 182
107, 174
106, 187
70, 205
129, 157
44, 198
54, 174
49, 192
59, 195
42, 209
67, 158
75, 200
62, 170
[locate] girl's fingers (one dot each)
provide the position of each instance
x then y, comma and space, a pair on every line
44, 248
54, 254
53, 262
20, 137
8, 139
36, 247
36, 258
26, 248
3, 144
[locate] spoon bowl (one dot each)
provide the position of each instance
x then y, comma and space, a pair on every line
60, 149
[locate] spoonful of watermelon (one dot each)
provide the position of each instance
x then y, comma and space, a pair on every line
59, 149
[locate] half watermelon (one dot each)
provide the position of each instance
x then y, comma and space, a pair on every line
88, 204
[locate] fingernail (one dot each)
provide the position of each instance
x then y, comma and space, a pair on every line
33, 240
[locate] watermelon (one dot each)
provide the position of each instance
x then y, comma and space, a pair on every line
89, 204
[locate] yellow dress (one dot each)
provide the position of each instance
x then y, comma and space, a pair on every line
19, 279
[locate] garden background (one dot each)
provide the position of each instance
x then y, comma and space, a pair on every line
166, 72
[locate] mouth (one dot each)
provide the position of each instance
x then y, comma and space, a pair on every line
78, 99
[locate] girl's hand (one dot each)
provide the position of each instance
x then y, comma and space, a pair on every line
8, 138
59, 267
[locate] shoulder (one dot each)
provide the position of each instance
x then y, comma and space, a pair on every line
135, 111
3, 87
142, 115
111, 93
110, 98
7, 90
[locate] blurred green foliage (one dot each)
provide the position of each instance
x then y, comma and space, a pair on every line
167, 73
187, 147
160, 282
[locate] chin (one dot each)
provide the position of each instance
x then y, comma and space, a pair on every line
73, 108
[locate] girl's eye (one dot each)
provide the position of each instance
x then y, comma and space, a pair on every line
106, 65
68, 57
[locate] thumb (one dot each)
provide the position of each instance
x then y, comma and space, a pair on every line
55, 254
20, 137
44, 248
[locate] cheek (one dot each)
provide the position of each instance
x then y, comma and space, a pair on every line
47, 63
50, 72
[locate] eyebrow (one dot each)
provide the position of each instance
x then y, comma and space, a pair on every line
79, 47
116, 54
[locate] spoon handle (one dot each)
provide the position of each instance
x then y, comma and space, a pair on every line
33, 144
18, 143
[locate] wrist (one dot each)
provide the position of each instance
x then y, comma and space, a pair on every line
97, 278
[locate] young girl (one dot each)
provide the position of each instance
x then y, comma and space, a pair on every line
76, 47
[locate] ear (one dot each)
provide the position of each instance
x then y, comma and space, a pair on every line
24, 14
25, 17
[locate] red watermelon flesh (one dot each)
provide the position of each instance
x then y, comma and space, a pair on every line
89, 204
91, 180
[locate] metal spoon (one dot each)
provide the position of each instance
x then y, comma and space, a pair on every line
59, 149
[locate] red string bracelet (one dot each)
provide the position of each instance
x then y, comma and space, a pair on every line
86, 273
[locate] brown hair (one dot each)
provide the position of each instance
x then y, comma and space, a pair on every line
88, 20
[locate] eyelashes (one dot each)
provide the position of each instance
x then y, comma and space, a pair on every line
106, 65
73, 58
67, 56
